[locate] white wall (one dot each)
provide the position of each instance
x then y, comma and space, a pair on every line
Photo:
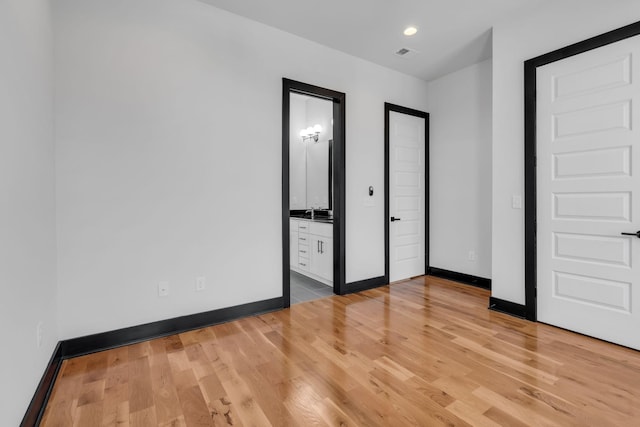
27, 202
169, 157
460, 170
549, 28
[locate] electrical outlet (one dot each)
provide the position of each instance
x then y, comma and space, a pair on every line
39, 334
472, 255
163, 289
201, 283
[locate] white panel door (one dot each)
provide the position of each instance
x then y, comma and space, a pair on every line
406, 196
588, 193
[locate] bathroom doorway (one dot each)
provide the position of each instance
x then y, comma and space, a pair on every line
313, 151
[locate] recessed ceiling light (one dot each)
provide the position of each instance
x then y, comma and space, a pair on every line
409, 31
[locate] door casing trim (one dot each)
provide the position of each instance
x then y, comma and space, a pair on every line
388, 108
339, 186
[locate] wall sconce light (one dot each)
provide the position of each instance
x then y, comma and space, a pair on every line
311, 133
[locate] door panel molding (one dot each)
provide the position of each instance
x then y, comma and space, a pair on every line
530, 149
388, 108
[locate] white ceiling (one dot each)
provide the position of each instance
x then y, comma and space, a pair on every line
452, 34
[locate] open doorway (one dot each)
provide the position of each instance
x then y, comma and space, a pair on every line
313, 257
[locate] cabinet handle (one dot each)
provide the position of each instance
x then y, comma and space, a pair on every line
303, 252
318, 246
302, 238
303, 264
321, 246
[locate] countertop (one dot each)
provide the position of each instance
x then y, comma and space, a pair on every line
317, 219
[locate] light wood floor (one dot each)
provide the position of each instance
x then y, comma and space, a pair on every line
424, 352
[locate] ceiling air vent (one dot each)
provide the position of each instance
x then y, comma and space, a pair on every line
405, 52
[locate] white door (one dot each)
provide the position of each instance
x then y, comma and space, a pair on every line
406, 196
588, 193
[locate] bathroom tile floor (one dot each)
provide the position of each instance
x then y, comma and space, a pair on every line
304, 288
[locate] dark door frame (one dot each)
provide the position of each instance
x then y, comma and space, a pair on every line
530, 196
338, 170
388, 108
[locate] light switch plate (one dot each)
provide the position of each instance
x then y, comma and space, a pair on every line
516, 201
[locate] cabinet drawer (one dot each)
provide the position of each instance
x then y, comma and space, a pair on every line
303, 239
303, 251
303, 226
303, 264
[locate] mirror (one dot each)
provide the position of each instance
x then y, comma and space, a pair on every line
310, 145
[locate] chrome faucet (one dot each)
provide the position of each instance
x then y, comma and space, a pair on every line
312, 212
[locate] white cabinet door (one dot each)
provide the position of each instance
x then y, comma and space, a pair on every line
321, 249
588, 190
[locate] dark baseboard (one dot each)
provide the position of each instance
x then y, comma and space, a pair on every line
107, 340
35, 411
74, 347
508, 307
479, 282
363, 285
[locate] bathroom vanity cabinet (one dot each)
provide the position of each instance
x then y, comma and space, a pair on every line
311, 249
